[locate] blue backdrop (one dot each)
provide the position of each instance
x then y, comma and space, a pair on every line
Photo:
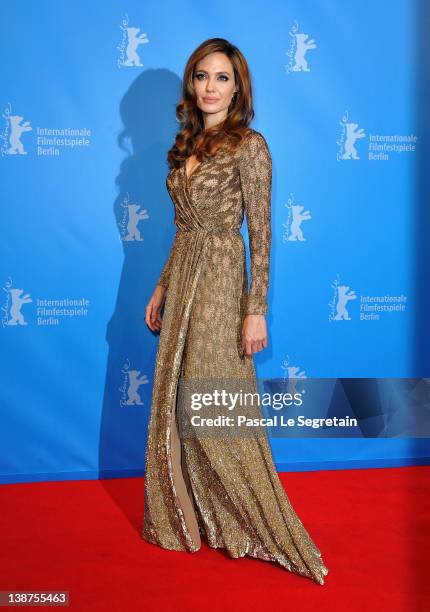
88, 114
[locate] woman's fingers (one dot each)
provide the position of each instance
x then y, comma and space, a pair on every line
254, 334
153, 317
157, 320
153, 309
150, 316
251, 346
257, 346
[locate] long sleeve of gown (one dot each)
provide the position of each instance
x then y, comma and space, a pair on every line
255, 167
165, 273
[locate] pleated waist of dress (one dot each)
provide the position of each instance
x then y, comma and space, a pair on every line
220, 231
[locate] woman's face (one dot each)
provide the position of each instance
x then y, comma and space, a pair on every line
214, 86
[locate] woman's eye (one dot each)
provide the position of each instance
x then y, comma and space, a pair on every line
222, 76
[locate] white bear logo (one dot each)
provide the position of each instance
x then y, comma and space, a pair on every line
17, 128
16, 316
134, 216
295, 230
343, 297
133, 42
352, 134
134, 384
293, 374
302, 46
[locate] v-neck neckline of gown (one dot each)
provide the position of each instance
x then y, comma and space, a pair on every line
189, 177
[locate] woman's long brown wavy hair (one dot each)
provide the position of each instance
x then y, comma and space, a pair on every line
229, 134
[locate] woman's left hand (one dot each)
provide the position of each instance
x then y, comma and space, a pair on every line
254, 334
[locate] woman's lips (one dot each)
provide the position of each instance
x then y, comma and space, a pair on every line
210, 100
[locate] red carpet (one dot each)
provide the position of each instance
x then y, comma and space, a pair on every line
372, 526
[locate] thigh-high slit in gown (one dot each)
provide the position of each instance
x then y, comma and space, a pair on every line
226, 490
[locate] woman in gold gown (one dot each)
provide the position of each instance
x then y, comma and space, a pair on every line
225, 489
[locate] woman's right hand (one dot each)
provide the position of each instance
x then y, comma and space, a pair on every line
153, 310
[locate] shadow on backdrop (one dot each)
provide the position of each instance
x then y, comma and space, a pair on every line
144, 216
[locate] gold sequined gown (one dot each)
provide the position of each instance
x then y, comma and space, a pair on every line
225, 490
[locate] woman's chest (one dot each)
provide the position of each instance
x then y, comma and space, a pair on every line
216, 177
